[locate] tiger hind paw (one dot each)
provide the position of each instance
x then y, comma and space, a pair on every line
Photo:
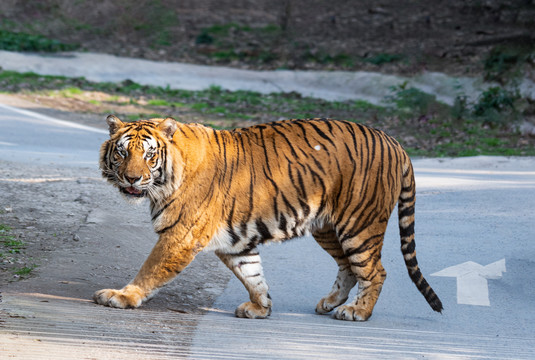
328, 303
352, 313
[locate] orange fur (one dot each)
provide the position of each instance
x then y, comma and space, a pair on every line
230, 191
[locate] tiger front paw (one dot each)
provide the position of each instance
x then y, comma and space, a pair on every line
252, 311
128, 297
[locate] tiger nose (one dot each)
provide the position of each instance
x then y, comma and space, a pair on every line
132, 180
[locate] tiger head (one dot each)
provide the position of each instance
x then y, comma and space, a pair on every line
134, 159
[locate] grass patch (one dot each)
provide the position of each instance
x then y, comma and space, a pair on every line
497, 106
232, 41
25, 271
12, 254
8, 242
260, 45
12, 245
383, 58
425, 126
323, 58
19, 41
154, 19
409, 100
158, 102
70, 92
504, 62
219, 32
10, 79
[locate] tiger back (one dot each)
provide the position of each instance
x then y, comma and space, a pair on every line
229, 191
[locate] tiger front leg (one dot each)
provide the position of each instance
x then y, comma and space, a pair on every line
248, 268
166, 260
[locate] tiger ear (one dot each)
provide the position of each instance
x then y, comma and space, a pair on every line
114, 124
168, 127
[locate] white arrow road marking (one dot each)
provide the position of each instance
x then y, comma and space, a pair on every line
472, 287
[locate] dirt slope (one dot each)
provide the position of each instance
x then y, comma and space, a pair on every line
388, 36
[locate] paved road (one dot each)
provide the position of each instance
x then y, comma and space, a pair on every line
30, 137
469, 211
474, 209
51, 316
329, 85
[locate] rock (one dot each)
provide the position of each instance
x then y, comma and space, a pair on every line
82, 199
527, 128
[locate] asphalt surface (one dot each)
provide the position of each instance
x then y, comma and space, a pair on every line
27, 136
49, 176
476, 210
474, 233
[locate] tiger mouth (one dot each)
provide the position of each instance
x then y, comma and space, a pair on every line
132, 191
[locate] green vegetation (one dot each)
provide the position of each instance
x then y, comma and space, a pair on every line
411, 100
347, 61
9, 243
235, 42
216, 33
383, 58
323, 58
18, 41
504, 63
485, 126
24, 271
225, 43
11, 250
425, 126
158, 102
70, 91
152, 19
497, 106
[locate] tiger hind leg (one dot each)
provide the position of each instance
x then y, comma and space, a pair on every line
345, 280
364, 254
247, 267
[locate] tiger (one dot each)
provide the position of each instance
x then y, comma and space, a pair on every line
229, 191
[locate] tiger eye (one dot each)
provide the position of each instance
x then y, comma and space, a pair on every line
122, 152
